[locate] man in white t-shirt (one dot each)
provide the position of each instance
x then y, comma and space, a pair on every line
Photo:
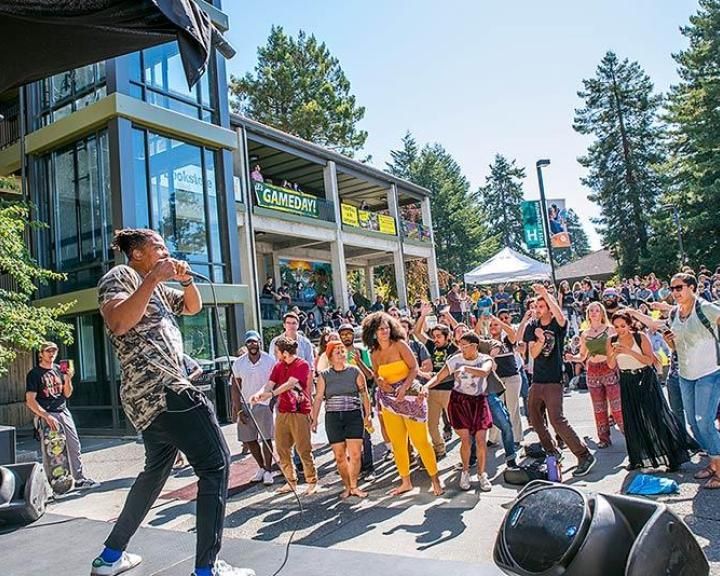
251, 372
694, 336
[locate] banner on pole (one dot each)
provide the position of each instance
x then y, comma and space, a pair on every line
557, 216
532, 224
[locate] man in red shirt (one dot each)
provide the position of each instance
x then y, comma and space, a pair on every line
291, 382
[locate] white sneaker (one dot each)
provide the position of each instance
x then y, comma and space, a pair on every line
259, 476
267, 478
458, 466
485, 485
224, 569
122, 564
465, 480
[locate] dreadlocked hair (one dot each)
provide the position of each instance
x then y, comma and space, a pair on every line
128, 239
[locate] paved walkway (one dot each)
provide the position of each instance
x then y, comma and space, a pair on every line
458, 526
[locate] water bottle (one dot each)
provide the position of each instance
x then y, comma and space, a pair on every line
553, 468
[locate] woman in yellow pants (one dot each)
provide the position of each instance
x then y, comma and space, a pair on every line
404, 411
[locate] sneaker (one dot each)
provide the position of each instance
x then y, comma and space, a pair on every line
259, 476
512, 463
465, 480
86, 484
447, 435
126, 562
368, 476
388, 456
267, 478
224, 569
485, 485
584, 466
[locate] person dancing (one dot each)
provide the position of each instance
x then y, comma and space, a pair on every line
347, 413
652, 434
139, 310
602, 380
404, 408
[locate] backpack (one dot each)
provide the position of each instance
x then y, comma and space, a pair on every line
705, 321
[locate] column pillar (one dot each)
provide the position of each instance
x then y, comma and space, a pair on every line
398, 254
337, 248
432, 261
370, 282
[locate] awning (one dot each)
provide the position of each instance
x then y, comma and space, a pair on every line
508, 266
45, 37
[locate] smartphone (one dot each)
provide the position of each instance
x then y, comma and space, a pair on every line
431, 321
66, 366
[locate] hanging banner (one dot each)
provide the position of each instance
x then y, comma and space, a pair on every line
285, 200
367, 220
532, 224
557, 217
349, 215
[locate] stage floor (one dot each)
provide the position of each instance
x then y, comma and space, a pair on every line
63, 545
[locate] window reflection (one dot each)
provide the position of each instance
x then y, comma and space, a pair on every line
62, 94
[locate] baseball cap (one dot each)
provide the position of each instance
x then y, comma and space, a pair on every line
346, 326
252, 335
610, 293
48, 346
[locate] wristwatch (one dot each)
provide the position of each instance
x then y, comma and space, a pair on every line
186, 283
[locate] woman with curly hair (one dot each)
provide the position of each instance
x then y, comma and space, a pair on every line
404, 406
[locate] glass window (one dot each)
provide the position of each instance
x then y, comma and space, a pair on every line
73, 193
60, 95
199, 336
86, 341
183, 205
157, 75
142, 213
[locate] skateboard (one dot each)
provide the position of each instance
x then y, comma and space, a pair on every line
55, 459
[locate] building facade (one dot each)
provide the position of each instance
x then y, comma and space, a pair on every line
126, 143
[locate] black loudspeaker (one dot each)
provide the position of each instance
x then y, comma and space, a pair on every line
23, 493
7, 445
556, 530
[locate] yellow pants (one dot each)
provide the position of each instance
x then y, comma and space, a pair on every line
398, 429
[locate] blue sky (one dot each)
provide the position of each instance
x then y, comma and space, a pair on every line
480, 77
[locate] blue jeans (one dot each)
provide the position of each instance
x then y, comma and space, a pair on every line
675, 398
700, 399
501, 419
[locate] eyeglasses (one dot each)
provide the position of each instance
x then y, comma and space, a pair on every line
677, 287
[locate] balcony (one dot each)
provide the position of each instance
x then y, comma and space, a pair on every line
365, 220
10, 126
291, 202
10, 185
416, 231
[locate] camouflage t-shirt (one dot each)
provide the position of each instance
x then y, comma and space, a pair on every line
150, 353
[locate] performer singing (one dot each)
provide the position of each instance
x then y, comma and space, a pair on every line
139, 311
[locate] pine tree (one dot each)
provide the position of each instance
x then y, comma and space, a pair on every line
501, 198
694, 117
620, 112
300, 88
461, 239
580, 244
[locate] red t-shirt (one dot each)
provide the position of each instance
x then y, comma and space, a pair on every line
293, 400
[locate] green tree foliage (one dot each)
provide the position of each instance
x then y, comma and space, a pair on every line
462, 240
693, 112
501, 198
580, 243
620, 112
300, 88
22, 325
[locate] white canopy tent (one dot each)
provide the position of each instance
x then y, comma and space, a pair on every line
508, 266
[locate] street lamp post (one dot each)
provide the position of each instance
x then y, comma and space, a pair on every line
676, 218
539, 165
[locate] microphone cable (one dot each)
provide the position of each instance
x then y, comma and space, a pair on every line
248, 410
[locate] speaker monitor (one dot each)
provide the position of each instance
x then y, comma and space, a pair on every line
23, 493
7, 445
556, 530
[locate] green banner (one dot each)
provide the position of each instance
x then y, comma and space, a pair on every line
285, 200
532, 224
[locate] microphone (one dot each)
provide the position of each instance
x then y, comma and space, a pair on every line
197, 275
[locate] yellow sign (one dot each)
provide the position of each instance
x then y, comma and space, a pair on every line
386, 224
349, 215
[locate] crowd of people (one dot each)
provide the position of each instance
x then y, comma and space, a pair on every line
422, 374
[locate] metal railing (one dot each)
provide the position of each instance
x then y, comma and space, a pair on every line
416, 231
10, 125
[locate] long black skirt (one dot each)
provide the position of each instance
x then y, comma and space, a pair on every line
652, 433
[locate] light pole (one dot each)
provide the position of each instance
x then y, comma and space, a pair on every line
676, 218
539, 165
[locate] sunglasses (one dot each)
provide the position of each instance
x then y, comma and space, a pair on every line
677, 288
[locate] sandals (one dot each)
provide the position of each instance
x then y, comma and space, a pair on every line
704, 474
713, 483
